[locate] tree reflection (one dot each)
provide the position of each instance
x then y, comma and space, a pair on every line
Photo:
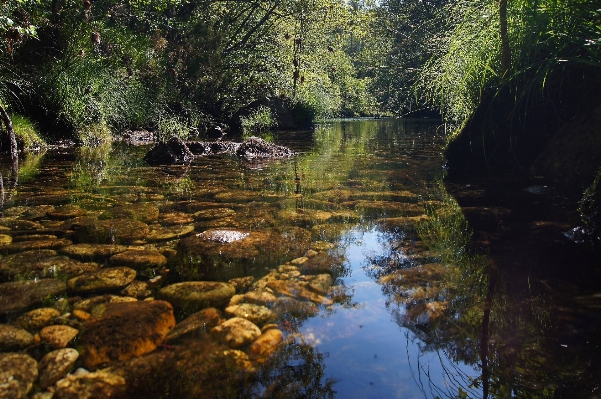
466, 307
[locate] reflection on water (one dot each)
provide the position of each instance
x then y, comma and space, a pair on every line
346, 271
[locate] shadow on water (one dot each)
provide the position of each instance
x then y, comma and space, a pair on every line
372, 276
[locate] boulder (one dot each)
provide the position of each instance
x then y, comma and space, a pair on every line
174, 151
255, 147
125, 330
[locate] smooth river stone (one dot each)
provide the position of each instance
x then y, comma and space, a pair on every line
139, 259
23, 225
5, 239
106, 279
142, 211
13, 338
37, 319
66, 211
58, 336
61, 267
202, 321
258, 314
265, 345
92, 251
89, 304
18, 372
112, 231
101, 383
236, 332
125, 330
37, 245
18, 296
160, 233
176, 218
137, 289
298, 289
55, 365
193, 296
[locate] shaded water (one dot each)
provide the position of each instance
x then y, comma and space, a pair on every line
422, 303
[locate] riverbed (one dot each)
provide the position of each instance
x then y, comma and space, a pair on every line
363, 273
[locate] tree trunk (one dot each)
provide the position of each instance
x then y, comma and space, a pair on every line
505, 50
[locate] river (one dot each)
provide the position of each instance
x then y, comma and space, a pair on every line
424, 289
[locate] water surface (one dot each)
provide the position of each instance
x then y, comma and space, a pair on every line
422, 304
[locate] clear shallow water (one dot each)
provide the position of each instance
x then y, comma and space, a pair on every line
364, 200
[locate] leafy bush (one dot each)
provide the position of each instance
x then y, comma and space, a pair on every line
27, 133
259, 120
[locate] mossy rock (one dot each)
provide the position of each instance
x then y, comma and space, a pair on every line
192, 296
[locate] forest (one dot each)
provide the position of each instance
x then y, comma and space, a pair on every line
510, 72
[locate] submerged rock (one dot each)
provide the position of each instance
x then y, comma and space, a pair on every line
265, 345
13, 338
32, 264
55, 365
58, 336
192, 296
139, 259
92, 251
223, 236
37, 319
106, 279
200, 322
258, 314
125, 330
99, 384
162, 233
34, 245
112, 231
18, 372
143, 211
18, 296
66, 211
236, 332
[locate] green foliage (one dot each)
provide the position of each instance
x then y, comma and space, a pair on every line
544, 36
27, 133
259, 120
590, 205
404, 35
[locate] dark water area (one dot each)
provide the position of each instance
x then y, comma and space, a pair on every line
359, 270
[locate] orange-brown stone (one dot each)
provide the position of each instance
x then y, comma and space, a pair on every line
125, 330
265, 345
